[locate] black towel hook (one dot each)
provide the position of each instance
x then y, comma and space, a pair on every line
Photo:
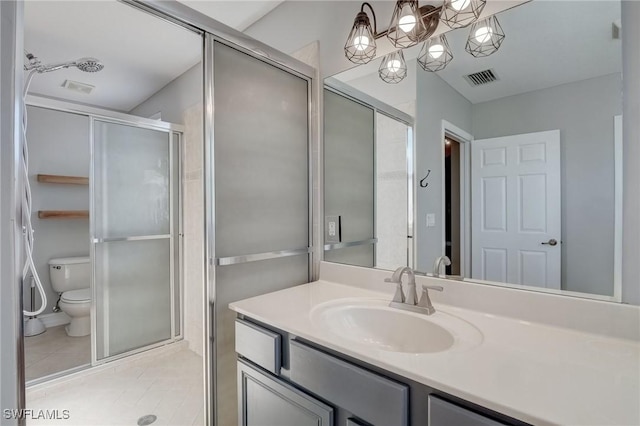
424, 184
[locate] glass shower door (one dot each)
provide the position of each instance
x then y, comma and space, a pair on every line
132, 225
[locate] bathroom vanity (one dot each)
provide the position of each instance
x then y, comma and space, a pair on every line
287, 381
332, 354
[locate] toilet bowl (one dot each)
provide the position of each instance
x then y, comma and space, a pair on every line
77, 304
70, 277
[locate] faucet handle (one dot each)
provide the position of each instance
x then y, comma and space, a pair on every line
425, 300
432, 287
399, 295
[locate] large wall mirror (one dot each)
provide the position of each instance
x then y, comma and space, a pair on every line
510, 164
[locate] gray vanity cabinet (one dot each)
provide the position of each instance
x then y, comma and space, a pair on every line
286, 381
267, 401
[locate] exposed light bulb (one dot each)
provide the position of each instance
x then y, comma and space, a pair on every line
407, 22
436, 51
483, 34
459, 5
394, 66
361, 42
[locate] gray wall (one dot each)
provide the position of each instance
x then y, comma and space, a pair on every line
583, 111
174, 98
58, 145
436, 101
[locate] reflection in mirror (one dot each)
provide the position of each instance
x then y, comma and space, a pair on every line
518, 155
366, 189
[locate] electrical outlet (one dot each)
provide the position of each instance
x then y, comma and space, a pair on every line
332, 229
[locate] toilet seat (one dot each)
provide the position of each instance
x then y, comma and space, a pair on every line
82, 295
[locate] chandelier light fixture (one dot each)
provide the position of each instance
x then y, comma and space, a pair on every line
412, 24
485, 37
406, 28
435, 54
361, 43
460, 13
393, 68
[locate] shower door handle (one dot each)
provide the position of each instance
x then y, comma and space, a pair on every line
136, 238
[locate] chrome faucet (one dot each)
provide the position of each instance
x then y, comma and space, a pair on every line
438, 264
411, 302
396, 278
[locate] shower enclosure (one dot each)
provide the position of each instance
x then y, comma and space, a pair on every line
135, 229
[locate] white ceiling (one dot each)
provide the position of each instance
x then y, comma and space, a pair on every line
239, 14
141, 53
548, 43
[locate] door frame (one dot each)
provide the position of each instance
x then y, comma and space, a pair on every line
464, 139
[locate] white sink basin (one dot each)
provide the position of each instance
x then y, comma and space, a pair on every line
371, 322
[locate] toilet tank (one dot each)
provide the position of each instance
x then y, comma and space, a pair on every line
70, 273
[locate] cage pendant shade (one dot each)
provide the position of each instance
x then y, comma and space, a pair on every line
460, 13
435, 54
485, 37
360, 47
393, 68
406, 28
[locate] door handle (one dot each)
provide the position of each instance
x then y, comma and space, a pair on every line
552, 242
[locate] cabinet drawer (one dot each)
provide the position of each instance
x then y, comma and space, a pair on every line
267, 401
372, 397
444, 413
259, 345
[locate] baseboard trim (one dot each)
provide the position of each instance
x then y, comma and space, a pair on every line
55, 319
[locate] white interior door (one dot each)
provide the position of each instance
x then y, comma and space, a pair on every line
515, 196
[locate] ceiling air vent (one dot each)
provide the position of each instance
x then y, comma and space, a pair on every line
76, 86
482, 77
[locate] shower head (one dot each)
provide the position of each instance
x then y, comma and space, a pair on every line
89, 64
83, 64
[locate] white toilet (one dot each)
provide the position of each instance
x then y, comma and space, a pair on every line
71, 276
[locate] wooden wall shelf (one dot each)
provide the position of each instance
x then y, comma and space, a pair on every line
71, 180
63, 214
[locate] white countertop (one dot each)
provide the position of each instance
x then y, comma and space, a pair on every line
540, 374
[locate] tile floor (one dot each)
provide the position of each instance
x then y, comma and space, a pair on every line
168, 385
53, 351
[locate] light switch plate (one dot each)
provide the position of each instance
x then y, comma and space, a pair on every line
431, 220
332, 229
